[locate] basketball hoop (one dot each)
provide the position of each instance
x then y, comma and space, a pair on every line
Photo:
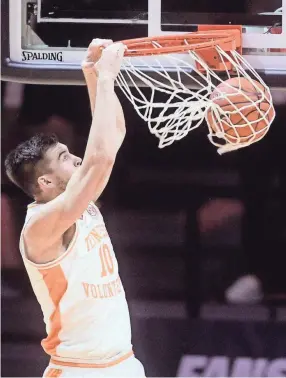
185, 69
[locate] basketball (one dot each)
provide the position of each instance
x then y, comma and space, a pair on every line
245, 110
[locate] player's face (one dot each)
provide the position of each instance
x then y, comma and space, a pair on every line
62, 165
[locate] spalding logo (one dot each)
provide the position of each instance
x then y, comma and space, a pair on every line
33, 55
218, 366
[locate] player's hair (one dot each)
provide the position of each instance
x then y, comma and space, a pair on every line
22, 163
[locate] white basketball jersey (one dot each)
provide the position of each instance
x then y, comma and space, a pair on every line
81, 295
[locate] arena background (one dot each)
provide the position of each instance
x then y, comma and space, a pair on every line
185, 223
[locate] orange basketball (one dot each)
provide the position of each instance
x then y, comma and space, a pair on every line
236, 98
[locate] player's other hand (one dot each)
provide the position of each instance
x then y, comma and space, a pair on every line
94, 52
110, 62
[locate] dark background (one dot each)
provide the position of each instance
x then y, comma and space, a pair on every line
185, 223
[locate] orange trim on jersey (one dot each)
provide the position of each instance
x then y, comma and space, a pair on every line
53, 373
94, 366
57, 284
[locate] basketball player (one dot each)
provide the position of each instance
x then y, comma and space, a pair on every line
64, 243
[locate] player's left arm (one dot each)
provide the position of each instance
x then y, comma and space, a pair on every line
90, 74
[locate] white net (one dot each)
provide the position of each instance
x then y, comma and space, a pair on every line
186, 91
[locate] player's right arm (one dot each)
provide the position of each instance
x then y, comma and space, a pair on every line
47, 227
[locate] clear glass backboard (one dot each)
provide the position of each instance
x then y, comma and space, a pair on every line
43, 41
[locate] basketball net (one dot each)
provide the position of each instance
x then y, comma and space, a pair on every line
183, 108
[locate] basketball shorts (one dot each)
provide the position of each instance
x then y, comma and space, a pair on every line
128, 368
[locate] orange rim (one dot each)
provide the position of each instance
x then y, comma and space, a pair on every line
228, 39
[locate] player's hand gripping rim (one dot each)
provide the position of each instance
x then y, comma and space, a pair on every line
108, 66
93, 53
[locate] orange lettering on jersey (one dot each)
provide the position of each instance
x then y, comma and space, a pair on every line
86, 287
110, 290
90, 242
95, 236
93, 291
90, 290
106, 260
102, 231
113, 283
105, 290
102, 291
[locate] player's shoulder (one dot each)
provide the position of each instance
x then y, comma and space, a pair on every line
33, 208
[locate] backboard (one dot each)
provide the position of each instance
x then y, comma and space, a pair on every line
43, 41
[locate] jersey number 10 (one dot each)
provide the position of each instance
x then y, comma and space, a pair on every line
106, 260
